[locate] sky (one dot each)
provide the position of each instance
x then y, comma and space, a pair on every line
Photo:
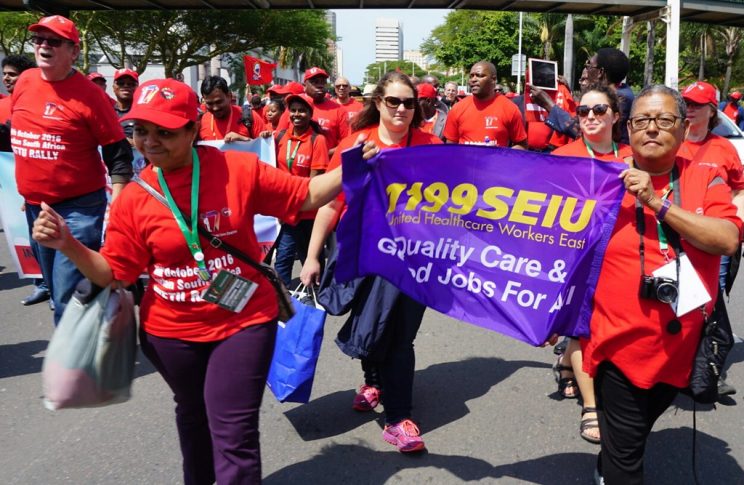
356, 28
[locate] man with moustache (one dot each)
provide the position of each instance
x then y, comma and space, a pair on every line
59, 121
223, 120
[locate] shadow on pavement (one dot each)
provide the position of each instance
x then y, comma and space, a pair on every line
10, 281
19, 359
669, 458
359, 465
445, 387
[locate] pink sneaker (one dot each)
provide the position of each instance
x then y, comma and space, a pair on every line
366, 399
405, 435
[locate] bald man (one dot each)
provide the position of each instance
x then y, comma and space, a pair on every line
487, 117
351, 106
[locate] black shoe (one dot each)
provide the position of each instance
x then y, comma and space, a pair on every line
37, 296
560, 347
725, 389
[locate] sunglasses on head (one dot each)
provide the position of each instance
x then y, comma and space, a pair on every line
392, 102
51, 42
599, 109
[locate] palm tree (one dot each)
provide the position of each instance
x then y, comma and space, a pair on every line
732, 37
550, 27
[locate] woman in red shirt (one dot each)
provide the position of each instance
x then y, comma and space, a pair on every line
300, 150
599, 117
390, 120
215, 360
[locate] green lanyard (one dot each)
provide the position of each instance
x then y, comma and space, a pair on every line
191, 236
291, 156
663, 244
591, 152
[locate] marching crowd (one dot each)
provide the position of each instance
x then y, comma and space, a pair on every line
684, 200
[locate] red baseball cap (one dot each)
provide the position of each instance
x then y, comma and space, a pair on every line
62, 26
164, 102
120, 73
314, 72
294, 88
736, 95
277, 89
700, 92
461, 94
426, 90
95, 75
303, 98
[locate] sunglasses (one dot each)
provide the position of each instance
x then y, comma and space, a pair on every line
392, 102
51, 42
598, 109
342, 85
126, 84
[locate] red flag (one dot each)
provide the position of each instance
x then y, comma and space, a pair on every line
258, 71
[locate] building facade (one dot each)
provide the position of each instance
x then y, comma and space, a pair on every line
388, 40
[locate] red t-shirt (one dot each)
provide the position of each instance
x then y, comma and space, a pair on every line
472, 120
732, 111
427, 126
577, 148
716, 151
142, 233
417, 137
631, 331
331, 117
309, 156
56, 129
215, 129
351, 108
5, 105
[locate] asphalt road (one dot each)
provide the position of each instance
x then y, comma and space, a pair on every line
487, 406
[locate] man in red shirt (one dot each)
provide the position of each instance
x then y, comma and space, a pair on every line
331, 117
350, 105
486, 117
641, 349
59, 121
223, 120
434, 117
125, 82
733, 110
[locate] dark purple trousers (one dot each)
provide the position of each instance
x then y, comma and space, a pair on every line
218, 387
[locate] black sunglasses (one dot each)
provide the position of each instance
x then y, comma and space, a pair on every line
392, 102
598, 109
51, 42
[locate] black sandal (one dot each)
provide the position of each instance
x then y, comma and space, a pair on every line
565, 382
589, 424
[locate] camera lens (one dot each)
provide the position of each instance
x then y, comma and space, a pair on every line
666, 292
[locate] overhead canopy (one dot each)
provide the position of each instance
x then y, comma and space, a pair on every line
729, 12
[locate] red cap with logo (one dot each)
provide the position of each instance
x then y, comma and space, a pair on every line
303, 98
62, 26
426, 90
164, 102
120, 73
700, 92
736, 95
95, 75
314, 72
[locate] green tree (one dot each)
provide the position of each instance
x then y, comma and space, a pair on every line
469, 36
14, 34
376, 70
548, 27
182, 38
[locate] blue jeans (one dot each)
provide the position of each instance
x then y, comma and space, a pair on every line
292, 240
725, 263
84, 217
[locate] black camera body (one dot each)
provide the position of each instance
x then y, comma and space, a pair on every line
659, 288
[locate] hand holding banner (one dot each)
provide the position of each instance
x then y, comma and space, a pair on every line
508, 240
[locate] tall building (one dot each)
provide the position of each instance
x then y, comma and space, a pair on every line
388, 40
336, 68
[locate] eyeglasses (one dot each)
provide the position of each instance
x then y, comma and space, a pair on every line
392, 102
598, 110
664, 121
590, 66
342, 85
51, 42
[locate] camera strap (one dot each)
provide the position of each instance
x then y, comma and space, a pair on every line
664, 230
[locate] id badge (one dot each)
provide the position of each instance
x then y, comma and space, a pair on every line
229, 291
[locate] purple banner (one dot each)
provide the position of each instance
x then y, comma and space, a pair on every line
505, 239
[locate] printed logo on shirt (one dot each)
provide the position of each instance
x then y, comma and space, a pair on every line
50, 109
211, 220
492, 121
303, 160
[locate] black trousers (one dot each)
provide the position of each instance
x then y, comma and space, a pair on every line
626, 415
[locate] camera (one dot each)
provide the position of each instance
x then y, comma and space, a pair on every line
663, 289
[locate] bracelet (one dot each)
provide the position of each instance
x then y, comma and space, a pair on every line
665, 205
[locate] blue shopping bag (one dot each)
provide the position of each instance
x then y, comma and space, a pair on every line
296, 352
